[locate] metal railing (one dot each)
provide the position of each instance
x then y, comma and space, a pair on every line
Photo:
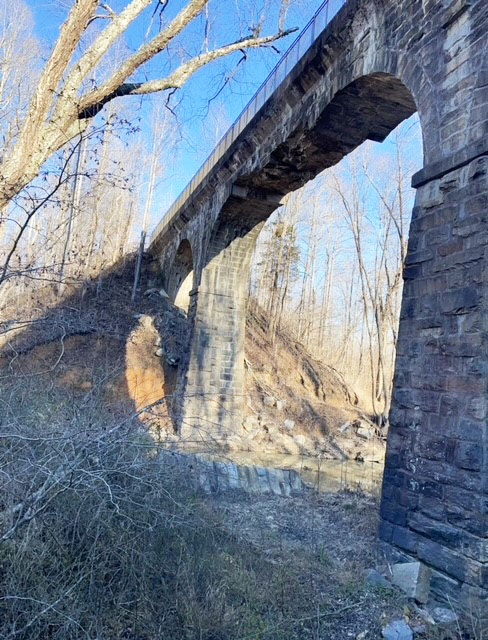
327, 10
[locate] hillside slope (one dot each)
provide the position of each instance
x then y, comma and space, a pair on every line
96, 347
302, 405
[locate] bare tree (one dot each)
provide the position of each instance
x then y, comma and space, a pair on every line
19, 51
66, 100
162, 133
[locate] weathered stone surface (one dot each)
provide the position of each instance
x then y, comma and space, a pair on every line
446, 618
248, 444
251, 423
366, 433
289, 425
344, 428
234, 443
295, 480
373, 66
276, 479
270, 427
217, 476
397, 630
413, 578
289, 444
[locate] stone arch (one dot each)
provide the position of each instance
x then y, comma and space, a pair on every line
181, 278
369, 107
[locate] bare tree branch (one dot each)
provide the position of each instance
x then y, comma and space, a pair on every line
92, 103
57, 114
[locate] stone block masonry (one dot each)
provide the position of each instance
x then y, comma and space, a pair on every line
434, 504
220, 476
374, 64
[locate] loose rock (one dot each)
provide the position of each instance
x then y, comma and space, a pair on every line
397, 630
444, 617
365, 432
377, 580
250, 423
413, 578
271, 428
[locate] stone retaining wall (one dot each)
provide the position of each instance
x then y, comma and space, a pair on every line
217, 476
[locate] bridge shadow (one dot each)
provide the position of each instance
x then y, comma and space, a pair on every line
95, 346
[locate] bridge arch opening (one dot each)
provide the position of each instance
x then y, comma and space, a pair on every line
369, 108
328, 264
181, 281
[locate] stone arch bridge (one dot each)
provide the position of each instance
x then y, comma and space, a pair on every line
357, 71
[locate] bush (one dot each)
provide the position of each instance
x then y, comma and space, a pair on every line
99, 539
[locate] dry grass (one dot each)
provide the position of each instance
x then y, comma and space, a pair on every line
98, 539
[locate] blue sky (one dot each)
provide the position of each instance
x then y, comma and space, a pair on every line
199, 122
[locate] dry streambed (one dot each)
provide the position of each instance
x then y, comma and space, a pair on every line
329, 539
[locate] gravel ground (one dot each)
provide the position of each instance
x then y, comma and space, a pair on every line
329, 539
